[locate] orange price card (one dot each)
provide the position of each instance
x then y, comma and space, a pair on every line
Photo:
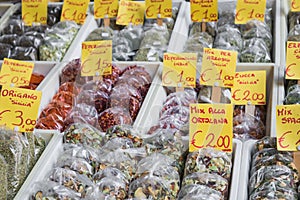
96, 58
204, 11
288, 127
211, 126
292, 60
295, 5
74, 10
16, 72
161, 7
179, 69
105, 7
249, 87
218, 67
34, 12
250, 9
131, 12
19, 108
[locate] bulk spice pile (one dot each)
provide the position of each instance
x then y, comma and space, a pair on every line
38, 42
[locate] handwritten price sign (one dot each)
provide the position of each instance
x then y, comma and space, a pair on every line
131, 12
288, 127
19, 108
16, 72
105, 7
179, 70
251, 9
34, 11
218, 67
96, 58
293, 60
204, 11
249, 87
162, 7
295, 5
211, 126
74, 10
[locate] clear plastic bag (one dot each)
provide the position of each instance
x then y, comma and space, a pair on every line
9, 39
265, 142
183, 98
52, 190
255, 54
113, 187
209, 160
279, 173
4, 178
5, 50
229, 38
149, 54
29, 41
24, 53
109, 172
294, 33
134, 34
72, 180
199, 192
274, 195
102, 33
205, 93
14, 26
196, 27
213, 181
293, 96
83, 134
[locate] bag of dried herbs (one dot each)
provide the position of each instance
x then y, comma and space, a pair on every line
4, 178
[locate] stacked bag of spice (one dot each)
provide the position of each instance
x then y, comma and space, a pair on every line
116, 99
18, 41
273, 173
207, 175
18, 155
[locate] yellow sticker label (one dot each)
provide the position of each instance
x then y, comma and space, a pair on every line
211, 126
288, 127
74, 10
19, 108
179, 70
15, 72
292, 60
249, 87
158, 7
131, 12
105, 7
218, 67
96, 58
250, 9
295, 5
34, 12
204, 11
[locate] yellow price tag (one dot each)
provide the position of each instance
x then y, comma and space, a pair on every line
105, 7
96, 58
292, 60
218, 67
249, 87
295, 5
19, 108
34, 11
161, 7
204, 11
250, 9
211, 126
74, 10
288, 127
16, 72
130, 12
179, 69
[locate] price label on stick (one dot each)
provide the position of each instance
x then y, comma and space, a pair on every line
248, 10
204, 11
105, 7
249, 87
211, 126
74, 10
218, 67
34, 11
131, 12
162, 7
292, 60
288, 127
16, 72
179, 70
19, 108
295, 5
96, 58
